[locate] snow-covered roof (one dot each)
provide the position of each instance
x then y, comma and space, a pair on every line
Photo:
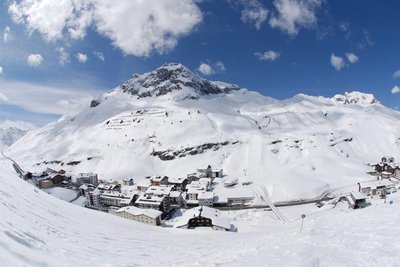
375, 184
83, 187
176, 180
175, 194
149, 199
152, 213
357, 195
162, 190
206, 212
206, 195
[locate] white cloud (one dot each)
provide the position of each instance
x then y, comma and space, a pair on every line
136, 27
7, 34
63, 56
337, 62
205, 69
34, 60
396, 75
48, 99
47, 16
1, 70
291, 15
99, 55
395, 90
352, 58
211, 68
267, 55
82, 58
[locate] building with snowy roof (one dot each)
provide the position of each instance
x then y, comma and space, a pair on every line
203, 217
148, 216
375, 187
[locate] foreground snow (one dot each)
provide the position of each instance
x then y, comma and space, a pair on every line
40, 230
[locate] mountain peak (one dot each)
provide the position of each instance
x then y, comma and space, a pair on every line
172, 77
355, 97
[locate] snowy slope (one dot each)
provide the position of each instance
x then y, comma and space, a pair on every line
37, 229
170, 122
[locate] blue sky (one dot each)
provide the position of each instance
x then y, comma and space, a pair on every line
56, 55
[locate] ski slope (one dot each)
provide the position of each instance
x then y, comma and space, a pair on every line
40, 230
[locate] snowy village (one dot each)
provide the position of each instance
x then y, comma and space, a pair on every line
196, 200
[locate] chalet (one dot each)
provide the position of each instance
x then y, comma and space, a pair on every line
57, 178
210, 172
148, 201
159, 180
178, 183
148, 216
397, 173
127, 182
176, 198
143, 185
357, 200
162, 190
83, 189
116, 199
206, 198
193, 190
109, 186
203, 217
206, 181
93, 199
387, 159
193, 177
87, 178
386, 175
375, 187
45, 184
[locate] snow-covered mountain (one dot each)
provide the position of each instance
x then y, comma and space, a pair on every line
11, 131
170, 122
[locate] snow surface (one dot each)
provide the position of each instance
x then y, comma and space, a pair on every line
295, 148
11, 131
37, 229
62, 193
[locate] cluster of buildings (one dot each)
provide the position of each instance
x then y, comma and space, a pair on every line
388, 175
154, 198
387, 168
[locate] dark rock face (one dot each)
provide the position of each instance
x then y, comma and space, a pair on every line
170, 154
171, 77
94, 103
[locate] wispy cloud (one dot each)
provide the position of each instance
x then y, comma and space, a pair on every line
63, 56
396, 75
46, 98
252, 12
269, 55
99, 55
7, 34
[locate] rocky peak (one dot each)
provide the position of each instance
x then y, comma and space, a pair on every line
172, 77
355, 97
